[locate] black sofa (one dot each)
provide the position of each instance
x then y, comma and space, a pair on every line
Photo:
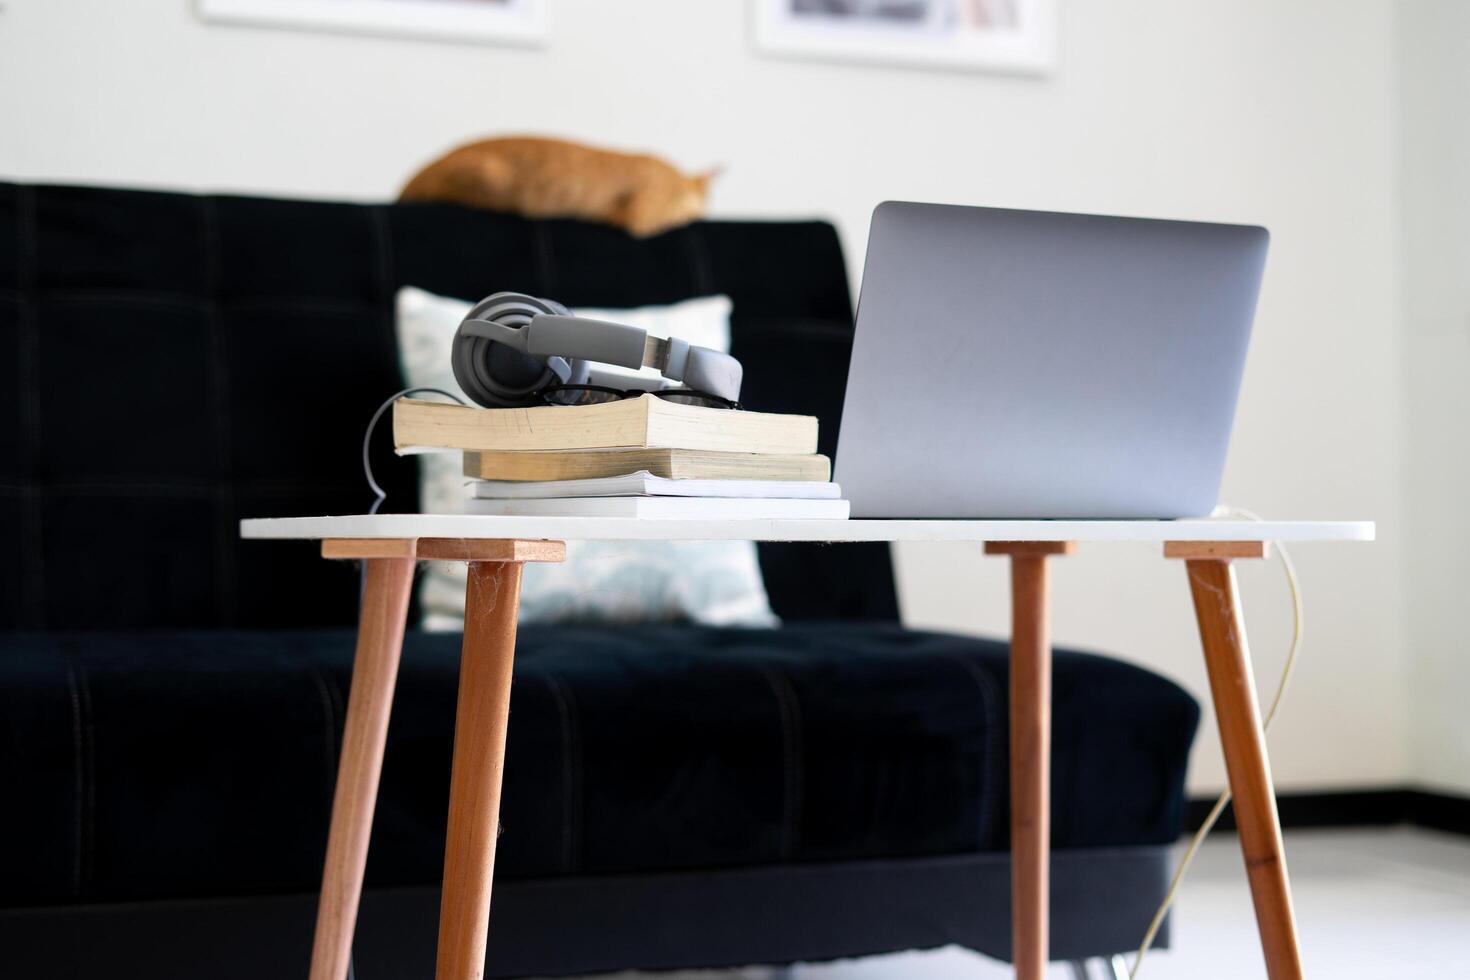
171, 697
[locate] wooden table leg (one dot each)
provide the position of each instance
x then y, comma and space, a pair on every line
1227, 659
374, 673
491, 600
1030, 671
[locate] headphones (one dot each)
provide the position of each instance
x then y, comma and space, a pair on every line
511, 349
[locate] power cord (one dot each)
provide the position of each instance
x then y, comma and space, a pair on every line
1294, 585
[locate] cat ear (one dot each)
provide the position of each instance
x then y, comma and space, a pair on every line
703, 178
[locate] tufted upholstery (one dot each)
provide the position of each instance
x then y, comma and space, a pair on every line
180, 362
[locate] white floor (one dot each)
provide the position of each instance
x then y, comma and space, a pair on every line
1370, 904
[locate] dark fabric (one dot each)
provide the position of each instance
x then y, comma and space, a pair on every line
801, 578
1102, 900
170, 765
180, 362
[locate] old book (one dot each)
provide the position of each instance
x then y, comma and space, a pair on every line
643, 422
648, 485
671, 464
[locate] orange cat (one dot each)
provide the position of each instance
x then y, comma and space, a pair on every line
547, 178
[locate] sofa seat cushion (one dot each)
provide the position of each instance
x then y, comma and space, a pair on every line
151, 765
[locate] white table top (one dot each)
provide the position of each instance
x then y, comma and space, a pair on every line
632, 528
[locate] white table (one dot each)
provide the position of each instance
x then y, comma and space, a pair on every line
496, 548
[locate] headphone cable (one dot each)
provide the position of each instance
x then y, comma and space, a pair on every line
379, 494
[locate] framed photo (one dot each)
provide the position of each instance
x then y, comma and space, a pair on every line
490, 21
976, 35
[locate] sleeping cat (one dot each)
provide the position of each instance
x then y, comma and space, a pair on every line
547, 178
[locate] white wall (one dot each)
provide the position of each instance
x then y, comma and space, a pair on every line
1435, 57
1256, 111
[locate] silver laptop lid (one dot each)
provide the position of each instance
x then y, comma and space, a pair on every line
1026, 364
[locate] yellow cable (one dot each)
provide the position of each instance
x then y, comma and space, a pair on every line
1199, 837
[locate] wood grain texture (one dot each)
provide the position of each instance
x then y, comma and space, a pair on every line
1030, 736
445, 549
1216, 549
477, 550
367, 548
1233, 689
491, 599
1030, 547
374, 673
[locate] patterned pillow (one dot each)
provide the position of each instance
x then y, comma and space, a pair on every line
713, 582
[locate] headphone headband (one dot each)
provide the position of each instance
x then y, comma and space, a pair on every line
511, 347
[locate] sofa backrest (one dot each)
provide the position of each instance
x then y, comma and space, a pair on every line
179, 362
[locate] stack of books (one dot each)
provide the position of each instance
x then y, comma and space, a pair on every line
638, 457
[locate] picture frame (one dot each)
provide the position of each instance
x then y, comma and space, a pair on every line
1009, 36
518, 22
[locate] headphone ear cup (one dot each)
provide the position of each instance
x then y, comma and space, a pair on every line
492, 374
511, 368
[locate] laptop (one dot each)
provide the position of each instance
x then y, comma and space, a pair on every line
1027, 364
